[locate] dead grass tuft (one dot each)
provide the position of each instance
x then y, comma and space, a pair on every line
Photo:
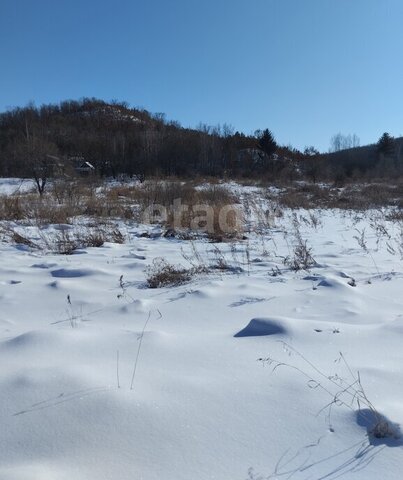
163, 274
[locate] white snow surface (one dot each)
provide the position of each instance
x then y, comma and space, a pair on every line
10, 186
202, 406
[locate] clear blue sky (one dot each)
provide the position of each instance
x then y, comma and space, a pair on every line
306, 69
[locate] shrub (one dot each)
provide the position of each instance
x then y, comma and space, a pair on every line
63, 243
11, 208
10, 234
301, 258
163, 274
185, 207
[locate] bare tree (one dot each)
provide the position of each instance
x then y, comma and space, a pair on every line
40, 158
342, 142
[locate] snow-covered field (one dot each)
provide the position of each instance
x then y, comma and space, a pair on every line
102, 378
9, 186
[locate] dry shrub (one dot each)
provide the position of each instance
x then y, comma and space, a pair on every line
94, 239
351, 197
377, 195
116, 236
200, 180
64, 243
45, 212
183, 204
216, 195
21, 240
302, 258
395, 215
306, 196
70, 192
38, 210
293, 199
153, 192
69, 241
219, 226
11, 208
12, 235
104, 207
163, 274
65, 200
165, 193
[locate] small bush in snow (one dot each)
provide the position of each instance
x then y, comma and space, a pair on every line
163, 274
301, 257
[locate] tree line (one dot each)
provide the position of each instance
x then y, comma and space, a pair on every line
41, 141
117, 139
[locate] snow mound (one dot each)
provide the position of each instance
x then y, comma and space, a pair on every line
44, 265
259, 327
32, 339
31, 471
72, 272
380, 430
335, 283
134, 255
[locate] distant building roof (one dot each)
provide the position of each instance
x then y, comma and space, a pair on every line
85, 166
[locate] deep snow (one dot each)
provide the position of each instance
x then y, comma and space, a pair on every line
202, 405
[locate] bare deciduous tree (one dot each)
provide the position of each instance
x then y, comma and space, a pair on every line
343, 142
40, 157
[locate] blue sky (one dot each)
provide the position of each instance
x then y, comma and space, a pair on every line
306, 69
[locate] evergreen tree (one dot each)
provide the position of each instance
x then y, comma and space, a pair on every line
267, 142
386, 145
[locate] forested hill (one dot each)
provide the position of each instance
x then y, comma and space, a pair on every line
381, 159
118, 139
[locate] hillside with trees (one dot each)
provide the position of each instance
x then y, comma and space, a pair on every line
117, 139
41, 142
